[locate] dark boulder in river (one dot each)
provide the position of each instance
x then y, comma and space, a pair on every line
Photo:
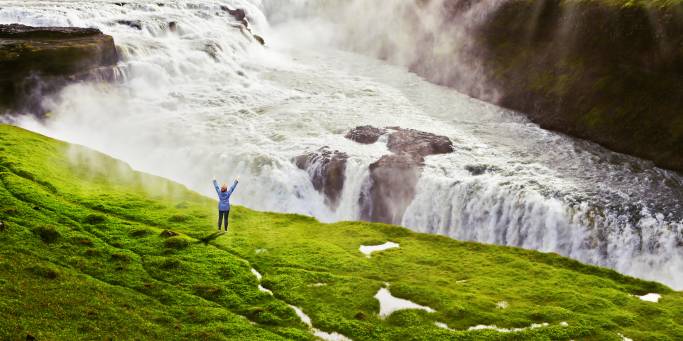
390, 188
418, 143
391, 185
37, 61
327, 170
365, 134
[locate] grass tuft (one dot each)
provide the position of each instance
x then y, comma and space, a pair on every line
47, 234
94, 219
176, 242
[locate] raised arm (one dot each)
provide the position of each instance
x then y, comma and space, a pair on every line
215, 185
232, 188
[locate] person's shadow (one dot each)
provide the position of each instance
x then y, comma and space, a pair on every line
207, 239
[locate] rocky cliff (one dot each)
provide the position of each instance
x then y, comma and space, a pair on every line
38, 61
609, 72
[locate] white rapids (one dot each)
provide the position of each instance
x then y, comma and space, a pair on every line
206, 99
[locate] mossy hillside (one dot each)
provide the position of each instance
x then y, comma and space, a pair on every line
90, 252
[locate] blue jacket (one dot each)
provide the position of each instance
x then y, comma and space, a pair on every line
224, 197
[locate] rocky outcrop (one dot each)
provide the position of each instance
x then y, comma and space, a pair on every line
35, 62
418, 144
327, 171
365, 134
604, 71
390, 188
392, 183
609, 71
240, 16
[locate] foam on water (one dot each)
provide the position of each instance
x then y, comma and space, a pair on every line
207, 100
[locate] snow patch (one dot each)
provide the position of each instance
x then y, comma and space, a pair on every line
261, 288
442, 325
256, 273
650, 297
369, 249
330, 336
304, 318
389, 304
624, 338
317, 332
508, 330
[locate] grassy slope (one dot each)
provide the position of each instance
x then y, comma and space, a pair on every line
83, 258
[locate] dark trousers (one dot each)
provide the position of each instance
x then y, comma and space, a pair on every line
221, 216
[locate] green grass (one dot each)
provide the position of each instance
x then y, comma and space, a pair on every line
87, 254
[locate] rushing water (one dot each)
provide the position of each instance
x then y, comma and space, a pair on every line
207, 100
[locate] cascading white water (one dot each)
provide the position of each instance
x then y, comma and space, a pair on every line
207, 100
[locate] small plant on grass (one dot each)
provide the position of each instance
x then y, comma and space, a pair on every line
176, 243
121, 257
92, 252
94, 219
141, 232
170, 264
47, 234
208, 291
44, 272
168, 233
86, 242
178, 218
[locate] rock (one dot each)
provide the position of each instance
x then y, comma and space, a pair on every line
365, 134
259, 39
390, 188
418, 143
35, 62
239, 14
136, 24
2, 226
168, 234
172, 26
391, 185
30, 337
481, 169
326, 170
599, 71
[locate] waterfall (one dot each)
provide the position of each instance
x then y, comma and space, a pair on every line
205, 99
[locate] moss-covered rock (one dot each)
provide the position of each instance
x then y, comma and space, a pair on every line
37, 61
607, 71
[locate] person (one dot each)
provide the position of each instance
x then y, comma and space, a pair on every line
224, 202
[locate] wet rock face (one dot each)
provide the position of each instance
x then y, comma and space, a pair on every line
418, 143
391, 184
365, 134
393, 178
327, 170
390, 188
38, 61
